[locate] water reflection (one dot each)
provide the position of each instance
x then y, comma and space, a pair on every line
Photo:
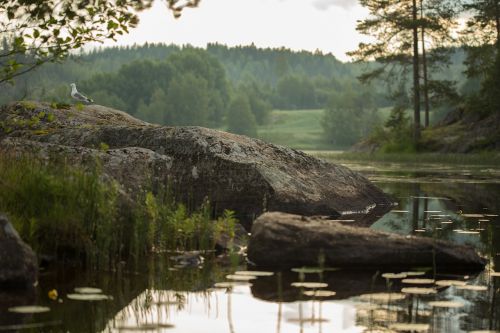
167, 299
233, 311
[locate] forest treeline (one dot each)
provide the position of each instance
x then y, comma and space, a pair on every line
233, 88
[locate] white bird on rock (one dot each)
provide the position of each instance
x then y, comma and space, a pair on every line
79, 97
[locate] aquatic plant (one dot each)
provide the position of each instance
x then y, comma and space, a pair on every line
77, 214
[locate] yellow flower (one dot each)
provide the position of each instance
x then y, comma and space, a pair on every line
53, 294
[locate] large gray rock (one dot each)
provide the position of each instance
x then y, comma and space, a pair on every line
286, 240
18, 263
234, 172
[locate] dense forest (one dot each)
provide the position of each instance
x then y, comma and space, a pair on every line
233, 88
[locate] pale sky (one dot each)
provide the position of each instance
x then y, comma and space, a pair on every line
328, 25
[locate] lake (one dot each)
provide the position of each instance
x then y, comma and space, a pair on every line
457, 203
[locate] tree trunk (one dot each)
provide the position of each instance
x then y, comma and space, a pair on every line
425, 73
416, 78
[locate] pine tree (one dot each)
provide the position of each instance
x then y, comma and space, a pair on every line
394, 24
404, 30
437, 21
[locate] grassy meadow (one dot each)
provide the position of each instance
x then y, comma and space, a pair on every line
299, 129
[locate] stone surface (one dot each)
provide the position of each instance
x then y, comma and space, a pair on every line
286, 240
18, 263
234, 172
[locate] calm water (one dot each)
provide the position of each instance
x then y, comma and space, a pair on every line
460, 204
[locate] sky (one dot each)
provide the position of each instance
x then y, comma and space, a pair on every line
327, 25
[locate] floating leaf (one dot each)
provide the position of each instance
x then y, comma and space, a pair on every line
446, 304
231, 284
449, 283
409, 327
399, 211
28, 309
89, 297
312, 285
418, 281
382, 297
418, 291
88, 290
414, 273
473, 215
394, 275
241, 277
319, 293
254, 273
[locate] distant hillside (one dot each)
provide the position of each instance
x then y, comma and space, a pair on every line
174, 85
242, 64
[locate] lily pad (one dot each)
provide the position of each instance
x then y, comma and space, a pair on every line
88, 297
468, 232
254, 273
236, 277
29, 309
88, 290
446, 304
414, 273
473, 215
449, 283
231, 284
319, 293
402, 327
418, 281
419, 291
394, 275
382, 297
311, 285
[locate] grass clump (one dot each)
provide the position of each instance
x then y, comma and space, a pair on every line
77, 214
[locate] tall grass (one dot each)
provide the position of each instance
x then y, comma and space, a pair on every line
71, 213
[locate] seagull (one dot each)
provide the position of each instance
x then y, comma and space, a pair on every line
79, 97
